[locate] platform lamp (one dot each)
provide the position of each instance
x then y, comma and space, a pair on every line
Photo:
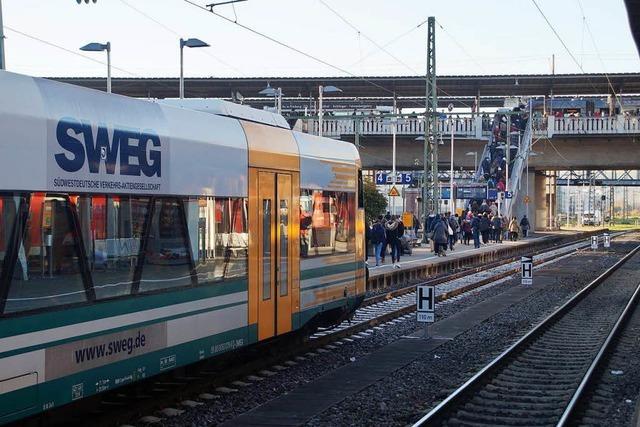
99, 47
322, 90
277, 95
188, 43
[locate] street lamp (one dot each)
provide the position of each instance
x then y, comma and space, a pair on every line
277, 95
99, 47
188, 43
475, 159
322, 90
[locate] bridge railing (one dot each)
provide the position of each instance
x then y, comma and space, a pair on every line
463, 127
551, 126
471, 127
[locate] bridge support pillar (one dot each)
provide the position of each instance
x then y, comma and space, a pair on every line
544, 202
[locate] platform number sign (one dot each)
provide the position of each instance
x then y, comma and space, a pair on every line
594, 242
426, 303
526, 269
607, 240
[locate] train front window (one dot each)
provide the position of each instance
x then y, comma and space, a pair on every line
47, 270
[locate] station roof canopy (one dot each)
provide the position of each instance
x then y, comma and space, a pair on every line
401, 86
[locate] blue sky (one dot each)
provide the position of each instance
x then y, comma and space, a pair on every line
499, 37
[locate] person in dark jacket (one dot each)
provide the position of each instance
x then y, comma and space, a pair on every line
455, 227
475, 229
392, 227
485, 228
440, 236
378, 238
497, 228
524, 226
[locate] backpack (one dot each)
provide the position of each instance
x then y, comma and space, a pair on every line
377, 234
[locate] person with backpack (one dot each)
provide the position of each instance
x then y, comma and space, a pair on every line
497, 229
440, 236
453, 228
475, 229
485, 228
378, 239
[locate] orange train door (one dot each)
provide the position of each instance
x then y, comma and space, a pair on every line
274, 262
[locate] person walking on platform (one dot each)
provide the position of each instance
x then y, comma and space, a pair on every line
453, 228
467, 233
485, 228
475, 229
386, 218
440, 236
378, 239
391, 227
514, 229
497, 229
524, 225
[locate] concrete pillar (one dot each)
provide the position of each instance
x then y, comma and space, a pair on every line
540, 206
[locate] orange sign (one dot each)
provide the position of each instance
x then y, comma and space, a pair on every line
394, 192
527, 199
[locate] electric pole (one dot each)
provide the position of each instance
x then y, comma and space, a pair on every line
430, 182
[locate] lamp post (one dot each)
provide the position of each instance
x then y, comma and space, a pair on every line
451, 197
322, 90
188, 43
475, 159
277, 95
99, 47
2, 64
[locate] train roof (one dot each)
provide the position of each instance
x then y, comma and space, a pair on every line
228, 109
58, 137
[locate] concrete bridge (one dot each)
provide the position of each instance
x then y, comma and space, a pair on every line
560, 143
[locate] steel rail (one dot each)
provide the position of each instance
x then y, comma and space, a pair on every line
445, 407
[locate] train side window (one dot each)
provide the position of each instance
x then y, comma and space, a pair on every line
327, 222
47, 271
112, 228
218, 230
167, 257
9, 206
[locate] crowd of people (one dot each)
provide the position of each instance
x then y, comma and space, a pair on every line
388, 234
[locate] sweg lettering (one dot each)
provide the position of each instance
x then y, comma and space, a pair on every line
77, 139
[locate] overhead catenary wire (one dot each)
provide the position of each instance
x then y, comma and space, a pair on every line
569, 50
460, 46
372, 41
595, 46
175, 33
290, 47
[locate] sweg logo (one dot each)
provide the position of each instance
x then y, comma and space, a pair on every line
129, 143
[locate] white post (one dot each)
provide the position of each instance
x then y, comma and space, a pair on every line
394, 122
451, 198
568, 196
181, 68
108, 66
320, 110
475, 160
3, 66
508, 153
279, 101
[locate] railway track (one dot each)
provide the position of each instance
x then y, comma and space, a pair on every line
382, 308
543, 377
376, 310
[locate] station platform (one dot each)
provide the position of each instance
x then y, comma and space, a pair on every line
423, 263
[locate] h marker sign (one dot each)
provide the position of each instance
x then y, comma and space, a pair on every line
526, 268
426, 303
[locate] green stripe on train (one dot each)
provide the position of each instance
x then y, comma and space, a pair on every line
83, 384
330, 269
64, 316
